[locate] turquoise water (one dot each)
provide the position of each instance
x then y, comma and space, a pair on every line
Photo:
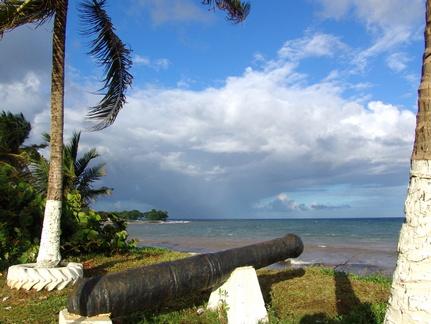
359, 245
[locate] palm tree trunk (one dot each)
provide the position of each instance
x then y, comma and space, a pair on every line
49, 253
411, 287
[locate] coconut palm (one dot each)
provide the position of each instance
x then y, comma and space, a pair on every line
77, 173
84, 176
111, 52
411, 285
237, 11
112, 55
14, 130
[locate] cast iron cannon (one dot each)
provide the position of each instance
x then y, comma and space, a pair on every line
140, 288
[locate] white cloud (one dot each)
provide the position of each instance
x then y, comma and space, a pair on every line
385, 43
163, 11
271, 130
397, 61
282, 203
312, 45
392, 23
156, 64
334, 9
389, 15
377, 14
255, 122
138, 59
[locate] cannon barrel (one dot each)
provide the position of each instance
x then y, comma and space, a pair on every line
139, 288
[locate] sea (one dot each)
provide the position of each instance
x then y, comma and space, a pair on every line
362, 245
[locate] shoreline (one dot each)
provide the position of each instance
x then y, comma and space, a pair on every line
359, 246
145, 222
339, 258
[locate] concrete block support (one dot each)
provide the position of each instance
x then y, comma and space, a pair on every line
64, 317
241, 297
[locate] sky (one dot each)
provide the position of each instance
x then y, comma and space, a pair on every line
305, 110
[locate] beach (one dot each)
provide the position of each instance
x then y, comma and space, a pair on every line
361, 246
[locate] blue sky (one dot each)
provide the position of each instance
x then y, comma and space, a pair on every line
305, 110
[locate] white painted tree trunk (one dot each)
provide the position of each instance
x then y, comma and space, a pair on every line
410, 300
49, 252
50, 240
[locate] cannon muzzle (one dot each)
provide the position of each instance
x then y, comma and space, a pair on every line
140, 288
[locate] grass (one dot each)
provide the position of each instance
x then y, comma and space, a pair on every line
305, 295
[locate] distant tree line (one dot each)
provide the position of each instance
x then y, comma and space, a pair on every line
152, 215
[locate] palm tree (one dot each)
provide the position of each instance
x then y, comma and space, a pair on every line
111, 52
411, 286
82, 175
14, 130
237, 11
77, 175
112, 55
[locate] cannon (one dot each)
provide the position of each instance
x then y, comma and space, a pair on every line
140, 288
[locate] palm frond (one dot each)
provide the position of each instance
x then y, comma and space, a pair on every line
82, 163
237, 11
85, 181
73, 146
91, 175
46, 138
111, 53
14, 13
93, 194
40, 169
14, 130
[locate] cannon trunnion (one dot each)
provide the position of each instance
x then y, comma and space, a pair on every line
139, 288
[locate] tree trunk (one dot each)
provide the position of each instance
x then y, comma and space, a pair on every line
411, 287
49, 252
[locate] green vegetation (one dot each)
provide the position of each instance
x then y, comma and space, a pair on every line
77, 172
14, 130
131, 215
305, 295
23, 183
21, 213
153, 215
156, 215
83, 230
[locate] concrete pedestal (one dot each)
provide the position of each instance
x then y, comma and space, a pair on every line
64, 317
241, 297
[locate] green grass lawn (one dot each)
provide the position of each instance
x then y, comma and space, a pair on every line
304, 295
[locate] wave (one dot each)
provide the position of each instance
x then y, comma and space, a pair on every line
176, 222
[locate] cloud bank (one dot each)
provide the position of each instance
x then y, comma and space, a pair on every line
274, 141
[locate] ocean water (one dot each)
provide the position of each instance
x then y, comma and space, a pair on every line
363, 246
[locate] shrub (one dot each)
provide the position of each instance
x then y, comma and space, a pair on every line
82, 231
85, 231
21, 214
